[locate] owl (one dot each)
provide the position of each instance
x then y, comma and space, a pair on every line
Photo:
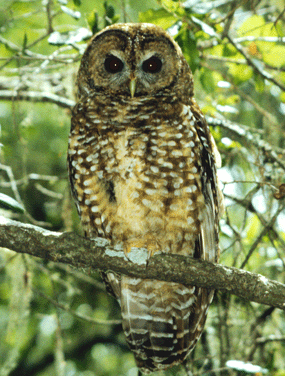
142, 167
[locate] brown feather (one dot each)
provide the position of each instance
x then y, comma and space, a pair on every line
143, 174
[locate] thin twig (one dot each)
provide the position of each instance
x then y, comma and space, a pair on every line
75, 314
48, 192
270, 338
31, 177
242, 132
264, 231
253, 64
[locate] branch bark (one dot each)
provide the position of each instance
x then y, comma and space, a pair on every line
10, 95
97, 253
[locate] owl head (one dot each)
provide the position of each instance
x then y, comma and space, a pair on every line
134, 60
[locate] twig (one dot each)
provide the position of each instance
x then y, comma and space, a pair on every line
75, 314
272, 236
13, 183
239, 62
48, 192
31, 177
49, 17
279, 17
264, 231
270, 338
247, 97
251, 38
14, 188
253, 64
241, 132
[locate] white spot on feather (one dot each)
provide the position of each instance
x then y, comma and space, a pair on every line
87, 182
154, 169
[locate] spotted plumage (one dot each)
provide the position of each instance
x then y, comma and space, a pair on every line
142, 171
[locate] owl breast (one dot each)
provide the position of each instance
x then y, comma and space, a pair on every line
146, 173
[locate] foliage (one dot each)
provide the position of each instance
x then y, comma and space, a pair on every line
54, 320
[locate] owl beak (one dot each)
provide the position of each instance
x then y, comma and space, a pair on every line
132, 87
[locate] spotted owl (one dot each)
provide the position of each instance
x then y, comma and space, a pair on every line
142, 167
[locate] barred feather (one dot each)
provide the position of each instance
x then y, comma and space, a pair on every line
142, 168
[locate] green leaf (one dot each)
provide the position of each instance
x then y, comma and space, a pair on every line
258, 83
93, 21
171, 5
25, 42
282, 97
251, 26
187, 41
116, 18
110, 16
159, 17
110, 11
207, 80
229, 50
240, 73
77, 2
8, 202
273, 55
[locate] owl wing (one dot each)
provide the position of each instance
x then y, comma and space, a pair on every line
112, 283
76, 142
208, 241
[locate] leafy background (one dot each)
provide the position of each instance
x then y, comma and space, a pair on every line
57, 320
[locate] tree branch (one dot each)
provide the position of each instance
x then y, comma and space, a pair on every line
10, 95
265, 75
98, 254
242, 133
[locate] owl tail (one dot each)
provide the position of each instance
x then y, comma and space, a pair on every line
162, 321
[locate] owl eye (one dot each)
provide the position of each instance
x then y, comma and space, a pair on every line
152, 65
113, 64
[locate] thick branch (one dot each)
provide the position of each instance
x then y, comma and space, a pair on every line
98, 254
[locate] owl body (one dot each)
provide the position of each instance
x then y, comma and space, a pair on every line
142, 172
